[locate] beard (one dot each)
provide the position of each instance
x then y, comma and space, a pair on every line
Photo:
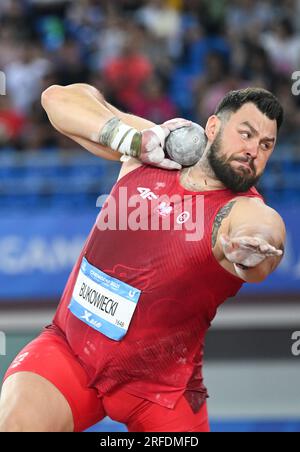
238, 180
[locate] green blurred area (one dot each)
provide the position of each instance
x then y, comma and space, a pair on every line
14, 344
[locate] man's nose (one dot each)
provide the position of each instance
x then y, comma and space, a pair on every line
252, 148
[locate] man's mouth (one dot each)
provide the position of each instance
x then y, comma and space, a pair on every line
244, 164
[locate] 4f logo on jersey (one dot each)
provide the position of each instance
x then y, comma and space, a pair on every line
164, 209
146, 193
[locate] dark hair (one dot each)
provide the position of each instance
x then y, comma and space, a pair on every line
265, 101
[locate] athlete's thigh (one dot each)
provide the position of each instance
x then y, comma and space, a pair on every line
48, 375
29, 402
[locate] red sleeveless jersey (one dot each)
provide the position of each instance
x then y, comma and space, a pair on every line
181, 285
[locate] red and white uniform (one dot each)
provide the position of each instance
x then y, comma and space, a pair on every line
181, 283
182, 286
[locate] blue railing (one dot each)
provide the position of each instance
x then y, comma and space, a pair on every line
54, 179
43, 179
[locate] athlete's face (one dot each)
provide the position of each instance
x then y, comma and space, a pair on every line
241, 148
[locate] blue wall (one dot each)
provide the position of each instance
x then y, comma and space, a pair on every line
38, 251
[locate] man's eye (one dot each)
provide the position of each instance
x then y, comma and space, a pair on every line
266, 146
245, 134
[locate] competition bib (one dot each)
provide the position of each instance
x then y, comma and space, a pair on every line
102, 302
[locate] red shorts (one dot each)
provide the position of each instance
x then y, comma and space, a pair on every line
51, 357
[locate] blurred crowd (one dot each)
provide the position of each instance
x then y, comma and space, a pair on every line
154, 58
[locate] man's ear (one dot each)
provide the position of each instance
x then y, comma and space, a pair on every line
212, 127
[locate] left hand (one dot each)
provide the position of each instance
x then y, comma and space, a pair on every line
248, 251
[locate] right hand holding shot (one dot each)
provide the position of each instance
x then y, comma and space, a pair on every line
147, 146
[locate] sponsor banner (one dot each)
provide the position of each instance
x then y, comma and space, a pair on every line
38, 251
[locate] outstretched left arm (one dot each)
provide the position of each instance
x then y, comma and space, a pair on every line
255, 240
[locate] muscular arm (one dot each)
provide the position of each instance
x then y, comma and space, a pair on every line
254, 239
79, 111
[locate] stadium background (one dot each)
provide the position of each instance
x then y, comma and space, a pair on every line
157, 59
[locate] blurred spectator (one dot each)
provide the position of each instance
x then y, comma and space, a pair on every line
216, 81
11, 124
10, 47
85, 21
154, 58
256, 66
213, 94
159, 18
85, 13
51, 31
4, 7
110, 41
210, 13
69, 65
129, 71
14, 15
130, 6
197, 49
24, 76
289, 9
249, 17
162, 61
197, 44
153, 103
48, 5
283, 46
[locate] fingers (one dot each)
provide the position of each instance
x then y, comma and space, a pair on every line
176, 123
249, 242
270, 250
169, 164
260, 246
273, 252
153, 157
157, 158
253, 244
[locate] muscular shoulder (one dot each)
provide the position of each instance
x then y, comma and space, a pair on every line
245, 213
247, 210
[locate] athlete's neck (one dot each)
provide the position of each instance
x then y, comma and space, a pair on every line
200, 177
